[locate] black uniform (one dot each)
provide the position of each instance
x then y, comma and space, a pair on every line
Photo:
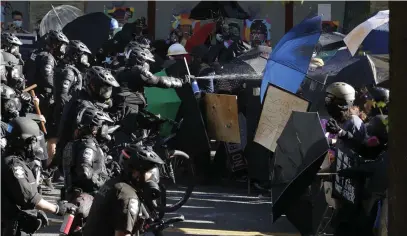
84, 165
44, 78
19, 191
67, 82
115, 207
134, 80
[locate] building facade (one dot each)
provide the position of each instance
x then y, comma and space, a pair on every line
274, 11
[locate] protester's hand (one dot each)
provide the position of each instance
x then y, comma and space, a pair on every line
36, 99
43, 218
42, 119
332, 126
63, 207
25, 96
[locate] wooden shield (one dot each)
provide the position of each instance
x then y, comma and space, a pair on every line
222, 117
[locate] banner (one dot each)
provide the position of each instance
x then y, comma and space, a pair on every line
278, 105
123, 14
258, 32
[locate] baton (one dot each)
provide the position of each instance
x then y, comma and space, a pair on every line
37, 109
30, 88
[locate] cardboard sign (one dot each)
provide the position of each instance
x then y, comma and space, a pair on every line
222, 117
277, 108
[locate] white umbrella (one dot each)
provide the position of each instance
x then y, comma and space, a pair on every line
58, 17
356, 37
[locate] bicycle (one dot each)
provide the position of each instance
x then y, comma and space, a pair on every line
173, 159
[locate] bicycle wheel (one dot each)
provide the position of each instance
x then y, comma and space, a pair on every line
178, 167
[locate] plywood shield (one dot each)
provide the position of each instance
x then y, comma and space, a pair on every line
222, 117
278, 105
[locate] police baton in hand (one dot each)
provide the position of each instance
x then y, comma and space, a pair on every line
36, 105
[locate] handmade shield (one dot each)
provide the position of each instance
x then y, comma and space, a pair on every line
222, 117
277, 107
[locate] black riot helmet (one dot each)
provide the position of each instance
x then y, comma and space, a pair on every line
10, 103
138, 56
99, 83
25, 137
142, 41
57, 42
380, 98
10, 43
91, 120
78, 53
145, 161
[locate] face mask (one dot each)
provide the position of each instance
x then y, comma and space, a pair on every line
18, 23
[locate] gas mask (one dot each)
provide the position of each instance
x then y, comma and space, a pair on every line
149, 185
15, 50
335, 107
34, 149
14, 78
104, 91
11, 108
60, 50
84, 60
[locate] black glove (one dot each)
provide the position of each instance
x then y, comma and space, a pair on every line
25, 96
332, 126
43, 218
63, 207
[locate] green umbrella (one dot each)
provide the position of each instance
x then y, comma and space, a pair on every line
163, 102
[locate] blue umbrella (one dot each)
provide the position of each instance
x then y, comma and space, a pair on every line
371, 36
289, 61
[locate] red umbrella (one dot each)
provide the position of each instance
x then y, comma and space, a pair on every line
199, 37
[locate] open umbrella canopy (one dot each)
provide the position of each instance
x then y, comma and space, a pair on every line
300, 151
363, 70
289, 61
330, 41
58, 17
372, 36
84, 29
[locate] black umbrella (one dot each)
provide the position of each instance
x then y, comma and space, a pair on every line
214, 9
363, 70
300, 152
92, 29
331, 41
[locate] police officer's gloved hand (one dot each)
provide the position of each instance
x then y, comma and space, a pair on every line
43, 218
25, 96
63, 207
332, 126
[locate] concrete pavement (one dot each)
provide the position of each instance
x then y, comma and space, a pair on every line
213, 211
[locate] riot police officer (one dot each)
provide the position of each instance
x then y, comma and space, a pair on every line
45, 62
13, 76
67, 82
83, 159
19, 188
11, 44
97, 92
129, 97
118, 198
10, 104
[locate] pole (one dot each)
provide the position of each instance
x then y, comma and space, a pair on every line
397, 192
